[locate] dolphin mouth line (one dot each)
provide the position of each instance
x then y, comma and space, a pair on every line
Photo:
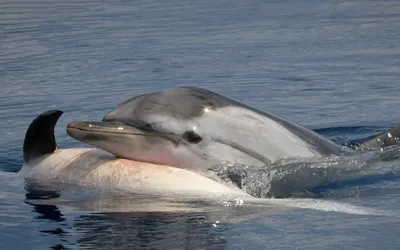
110, 128
115, 128
105, 131
121, 129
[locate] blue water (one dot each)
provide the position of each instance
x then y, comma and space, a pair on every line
333, 66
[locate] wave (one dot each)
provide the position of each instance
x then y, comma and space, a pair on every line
312, 177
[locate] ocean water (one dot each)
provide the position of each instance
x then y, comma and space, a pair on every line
333, 66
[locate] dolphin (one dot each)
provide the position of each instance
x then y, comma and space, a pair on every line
45, 164
388, 138
195, 128
164, 140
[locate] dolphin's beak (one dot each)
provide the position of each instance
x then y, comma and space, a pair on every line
88, 132
118, 138
80, 130
129, 142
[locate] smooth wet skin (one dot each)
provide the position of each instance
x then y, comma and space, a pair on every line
131, 143
95, 168
196, 128
391, 137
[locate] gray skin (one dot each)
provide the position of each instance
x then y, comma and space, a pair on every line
196, 128
389, 138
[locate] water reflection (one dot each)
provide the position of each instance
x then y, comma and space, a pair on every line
136, 230
115, 221
144, 229
148, 230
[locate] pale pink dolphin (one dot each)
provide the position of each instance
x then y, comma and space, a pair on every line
90, 167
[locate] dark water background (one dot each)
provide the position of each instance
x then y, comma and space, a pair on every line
333, 66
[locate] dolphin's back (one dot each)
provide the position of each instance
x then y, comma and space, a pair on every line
386, 139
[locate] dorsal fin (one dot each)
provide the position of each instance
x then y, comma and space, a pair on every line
39, 138
389, 138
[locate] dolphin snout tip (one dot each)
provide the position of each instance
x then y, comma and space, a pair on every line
73, 125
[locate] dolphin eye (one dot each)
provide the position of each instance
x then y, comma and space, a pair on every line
192, 137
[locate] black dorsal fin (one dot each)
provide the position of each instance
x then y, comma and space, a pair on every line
39, 138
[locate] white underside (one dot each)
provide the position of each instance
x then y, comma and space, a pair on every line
98, 169
95, 168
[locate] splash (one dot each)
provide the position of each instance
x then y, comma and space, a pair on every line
306, 177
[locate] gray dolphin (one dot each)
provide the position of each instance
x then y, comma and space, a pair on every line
197, 128
388, 138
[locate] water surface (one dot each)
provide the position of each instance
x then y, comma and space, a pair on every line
331, 66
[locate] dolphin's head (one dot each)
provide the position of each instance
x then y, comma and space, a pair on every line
179, 127
196, 128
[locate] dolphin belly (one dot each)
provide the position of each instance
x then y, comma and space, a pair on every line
98, 169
